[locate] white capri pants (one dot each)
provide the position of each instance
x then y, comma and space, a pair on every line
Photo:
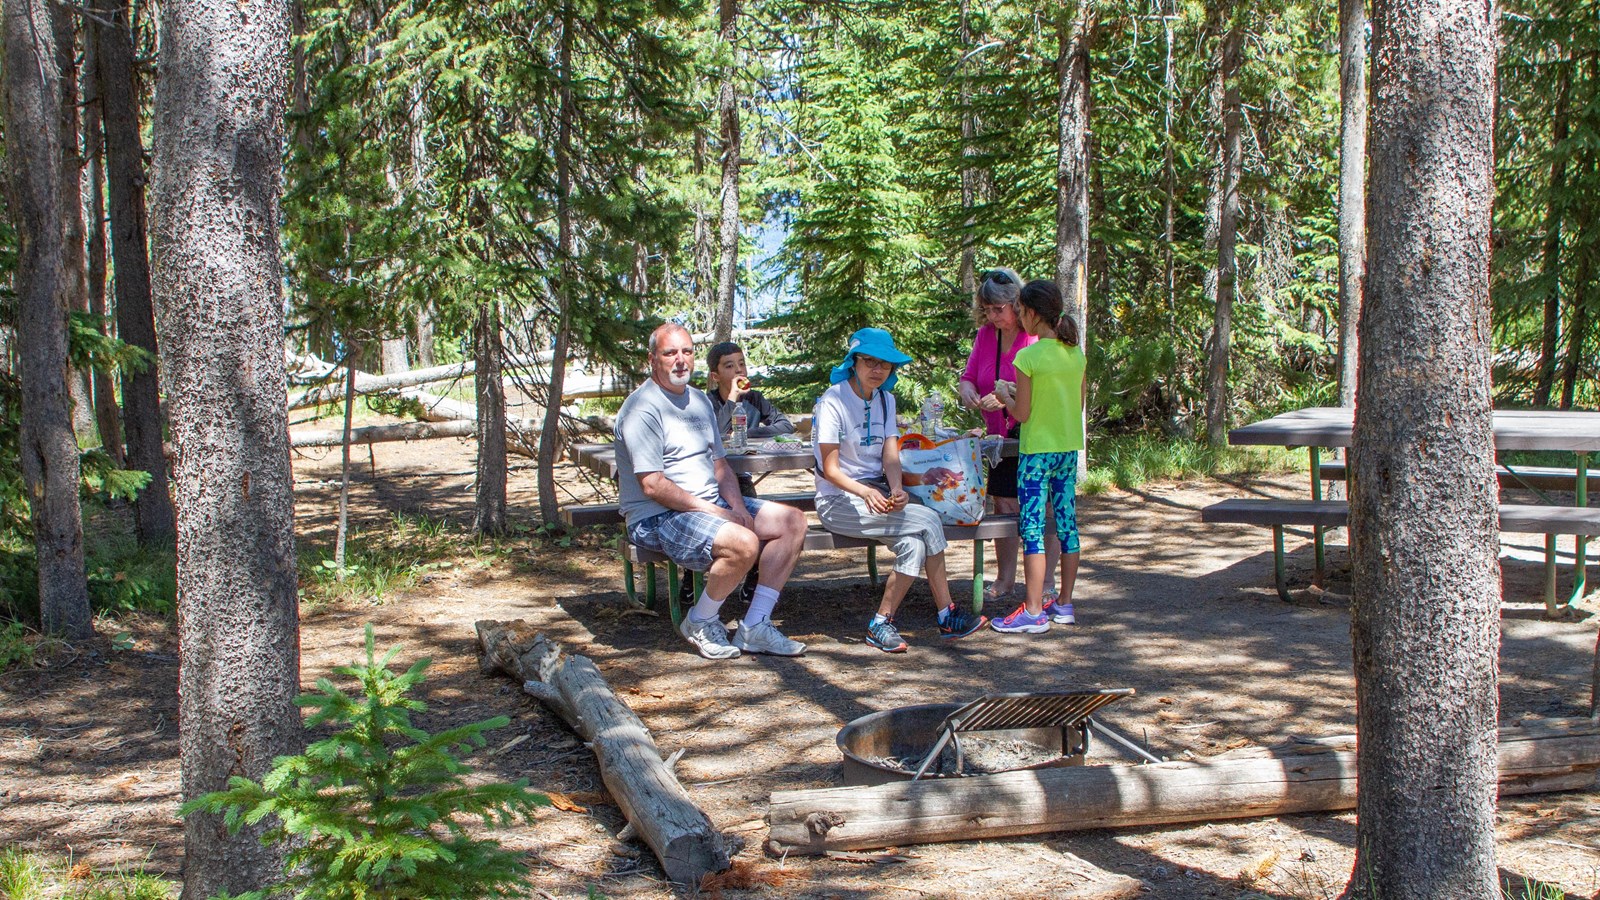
915, 533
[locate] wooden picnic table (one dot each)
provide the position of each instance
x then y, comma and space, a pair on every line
601, 459
1514, 429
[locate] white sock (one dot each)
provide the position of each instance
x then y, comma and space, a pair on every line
762, 602
705, 609
879, 618
945, 613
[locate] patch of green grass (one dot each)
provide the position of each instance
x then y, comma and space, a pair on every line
28, 876
381, 562
1129, 461
1531, 889
122, 576
15, 649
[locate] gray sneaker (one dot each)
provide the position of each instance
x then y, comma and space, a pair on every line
764, 637
710, 638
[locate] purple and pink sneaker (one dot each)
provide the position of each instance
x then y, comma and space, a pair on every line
1020, 622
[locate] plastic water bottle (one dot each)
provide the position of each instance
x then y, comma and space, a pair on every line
740, 438
932, 414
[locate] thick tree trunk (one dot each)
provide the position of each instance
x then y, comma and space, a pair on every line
1550, 270
218, 282
1232, 159
108, 417
1352, 185
1072, 162
1424, 536
489, 505
141, 403
34, 94
550, 434
425, 356
728, 230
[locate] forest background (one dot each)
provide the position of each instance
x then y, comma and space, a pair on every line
542, 182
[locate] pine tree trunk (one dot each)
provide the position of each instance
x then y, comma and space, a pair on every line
75, 263
705, 278
394, 356
550, 432
489, 499
342, 531
1550, 334
425, 355
1424, 538
108, 417
1227, 235
968, 274
34, 95
1352, 186
1072, 162
141, 403
728, 231
218, 284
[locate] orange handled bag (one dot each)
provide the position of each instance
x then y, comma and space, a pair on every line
948, 477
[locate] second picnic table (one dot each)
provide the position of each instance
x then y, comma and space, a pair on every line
1332, 426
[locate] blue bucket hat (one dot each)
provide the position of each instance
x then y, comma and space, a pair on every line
873, 342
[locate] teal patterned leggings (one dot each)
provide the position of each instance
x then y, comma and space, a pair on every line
1052, 476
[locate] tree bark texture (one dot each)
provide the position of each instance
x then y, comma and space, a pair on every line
728, 229
217, 279
1352, 185
108, 417
34, 94
141, 396
394, 356
1072, 162
566, 283
75, 261
1424, 536
1232, 160
705, 279
489, 505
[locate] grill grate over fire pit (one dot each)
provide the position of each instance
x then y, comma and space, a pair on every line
1019, 731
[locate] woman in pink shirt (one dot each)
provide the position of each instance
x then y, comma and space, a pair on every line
994, 350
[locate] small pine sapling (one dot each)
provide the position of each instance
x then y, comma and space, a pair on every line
379, 810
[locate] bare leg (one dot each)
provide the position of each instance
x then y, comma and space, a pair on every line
1033, 571
783, 531
937, 581
1069, 575
894, 591
1005, 549
733, 552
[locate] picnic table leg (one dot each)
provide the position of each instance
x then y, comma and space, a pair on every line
1550, 604
1277, 564
1316, 530
977, 577
672, 594
628, 584
649, 585
1580, 542
872, 563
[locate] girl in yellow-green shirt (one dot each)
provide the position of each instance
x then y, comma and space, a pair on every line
1048, 401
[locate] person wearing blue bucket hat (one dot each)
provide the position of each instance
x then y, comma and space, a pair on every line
860, 493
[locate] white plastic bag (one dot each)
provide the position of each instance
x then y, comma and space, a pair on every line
947, 477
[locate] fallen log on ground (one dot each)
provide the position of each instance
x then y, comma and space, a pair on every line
1539, 756
524, 437
658, 808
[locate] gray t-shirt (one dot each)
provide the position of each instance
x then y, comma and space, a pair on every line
674, 434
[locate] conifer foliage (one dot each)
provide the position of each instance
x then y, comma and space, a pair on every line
380, 809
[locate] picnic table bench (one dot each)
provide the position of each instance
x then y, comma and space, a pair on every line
1277, 514
1533, 478
817, 538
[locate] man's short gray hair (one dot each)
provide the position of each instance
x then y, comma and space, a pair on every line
662, 329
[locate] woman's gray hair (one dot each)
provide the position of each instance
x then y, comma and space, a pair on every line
1000, 287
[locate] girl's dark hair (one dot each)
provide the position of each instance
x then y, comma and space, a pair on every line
1044, 298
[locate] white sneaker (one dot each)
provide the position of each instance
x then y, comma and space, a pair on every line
764, 637
710, 638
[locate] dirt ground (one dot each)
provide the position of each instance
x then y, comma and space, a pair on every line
1182, 612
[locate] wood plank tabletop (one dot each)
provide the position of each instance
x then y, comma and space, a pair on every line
1520, 429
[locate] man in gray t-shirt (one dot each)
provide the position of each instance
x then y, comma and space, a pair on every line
680, 497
